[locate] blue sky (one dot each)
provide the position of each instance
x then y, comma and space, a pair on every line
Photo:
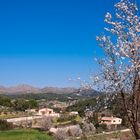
43, 42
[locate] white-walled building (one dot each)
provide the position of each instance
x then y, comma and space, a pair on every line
74, 113
111, 120
47, 112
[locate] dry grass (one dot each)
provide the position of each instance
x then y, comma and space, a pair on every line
114, 136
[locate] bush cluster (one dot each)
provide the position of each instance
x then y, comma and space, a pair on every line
4, 125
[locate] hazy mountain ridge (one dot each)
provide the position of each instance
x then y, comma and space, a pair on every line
24, 88
59, 90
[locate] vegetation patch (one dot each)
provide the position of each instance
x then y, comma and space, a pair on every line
24, 135
4, 125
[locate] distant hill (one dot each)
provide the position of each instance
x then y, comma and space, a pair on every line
49, 93
55, 96
25, 89
59, 90
19, 89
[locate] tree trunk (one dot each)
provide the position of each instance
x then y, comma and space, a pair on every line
136, 131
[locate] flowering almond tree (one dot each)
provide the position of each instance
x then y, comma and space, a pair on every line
120, 69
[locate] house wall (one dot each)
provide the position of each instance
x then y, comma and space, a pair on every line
111, 121
116, 121
48, 112
45, 111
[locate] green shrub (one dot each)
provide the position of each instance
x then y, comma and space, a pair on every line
66, 117
74, 122
4, 125
101, 128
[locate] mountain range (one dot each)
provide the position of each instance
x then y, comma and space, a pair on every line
24, 88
